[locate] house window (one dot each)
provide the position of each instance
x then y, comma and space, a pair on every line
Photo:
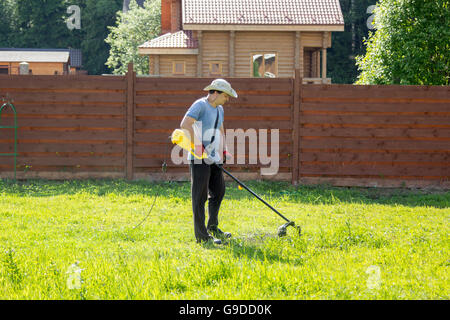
4, 69
178, 67
215, 68
264, 65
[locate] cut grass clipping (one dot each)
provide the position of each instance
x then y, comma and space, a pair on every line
75, 240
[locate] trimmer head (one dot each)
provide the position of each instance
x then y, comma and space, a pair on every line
282, 229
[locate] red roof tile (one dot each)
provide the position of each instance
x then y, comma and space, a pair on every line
260, 12
181, 39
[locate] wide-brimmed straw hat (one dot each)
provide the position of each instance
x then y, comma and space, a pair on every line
222, 85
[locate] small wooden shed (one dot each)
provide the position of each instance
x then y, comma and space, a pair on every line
244, 38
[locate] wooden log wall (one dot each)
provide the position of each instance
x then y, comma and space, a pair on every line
119, 127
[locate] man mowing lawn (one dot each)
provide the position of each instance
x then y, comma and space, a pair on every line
204, 122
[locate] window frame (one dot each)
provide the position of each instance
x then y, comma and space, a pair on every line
5, 67
211, 63
174, 64
263, 53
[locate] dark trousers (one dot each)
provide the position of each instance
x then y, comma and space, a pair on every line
207, 183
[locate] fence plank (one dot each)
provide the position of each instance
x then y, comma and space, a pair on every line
306, 118
375, 132
64, 147
325, 168
438, 157
163, 137
70, 123
244, 124
59, 82
197, 84
372, 144
24, 135
376, 92
166, 148
58, 97
187, 100
157, 160
68, 161
422, 107
241, 112
394, 182
67, 109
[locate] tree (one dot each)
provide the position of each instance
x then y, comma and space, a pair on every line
132, 29
97, 15
29, 24
41, 24
347, 45
410, 46
6, 27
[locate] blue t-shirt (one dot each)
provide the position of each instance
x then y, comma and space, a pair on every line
206, 115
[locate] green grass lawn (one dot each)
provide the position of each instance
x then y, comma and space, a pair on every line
356, 243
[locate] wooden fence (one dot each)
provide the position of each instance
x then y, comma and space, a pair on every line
375, 135
119, 127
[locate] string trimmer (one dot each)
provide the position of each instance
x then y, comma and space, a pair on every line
180, 138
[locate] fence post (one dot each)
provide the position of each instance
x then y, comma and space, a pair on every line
297, 83
131, 80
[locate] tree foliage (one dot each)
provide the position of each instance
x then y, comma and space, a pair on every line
410, 46
132, 29
98, 15
41, 24
6, 26
346, 45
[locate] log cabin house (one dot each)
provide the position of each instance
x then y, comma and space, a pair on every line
244, 38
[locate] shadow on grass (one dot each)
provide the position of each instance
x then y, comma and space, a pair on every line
262, 247
315, 195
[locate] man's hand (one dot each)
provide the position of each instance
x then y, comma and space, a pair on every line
227, 156
199, 150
